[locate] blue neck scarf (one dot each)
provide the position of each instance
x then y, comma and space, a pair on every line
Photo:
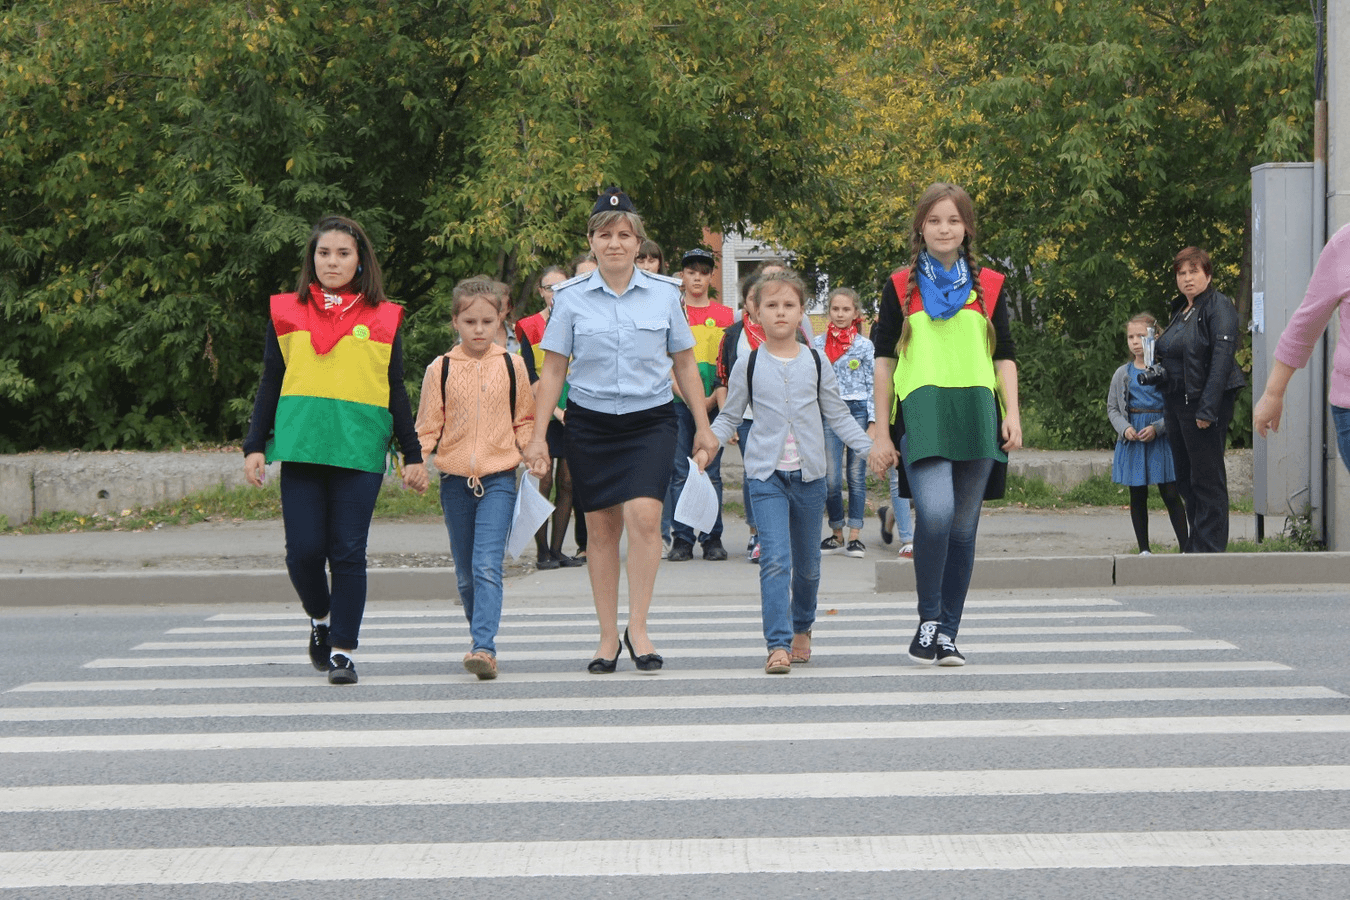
944, 292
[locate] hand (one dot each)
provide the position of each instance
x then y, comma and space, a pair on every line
1201, 423
537, 458
1148, 434
415, 477
255, 469
707, 442
560, 414
1012, 433
735, 438
1266, 417
700, 458
882, 455
1130, 433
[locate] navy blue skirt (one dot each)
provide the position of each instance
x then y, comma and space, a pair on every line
614, 458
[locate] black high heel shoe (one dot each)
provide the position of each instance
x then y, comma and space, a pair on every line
647, 662
602, 666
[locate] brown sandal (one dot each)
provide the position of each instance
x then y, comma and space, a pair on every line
482, 664
800, 653
779, 663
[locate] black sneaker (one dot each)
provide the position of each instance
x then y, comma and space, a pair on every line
341, 670
923, 649
947, 654
855, 549
547, 561
713, 550
830, 545
318, 646
887, 527
680, 551
570, 562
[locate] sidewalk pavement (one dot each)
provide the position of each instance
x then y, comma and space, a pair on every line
245, 562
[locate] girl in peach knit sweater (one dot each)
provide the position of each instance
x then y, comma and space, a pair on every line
477, 413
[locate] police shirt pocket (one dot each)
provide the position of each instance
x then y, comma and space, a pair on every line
649, 338
594, 336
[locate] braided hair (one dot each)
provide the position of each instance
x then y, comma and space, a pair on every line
965, 207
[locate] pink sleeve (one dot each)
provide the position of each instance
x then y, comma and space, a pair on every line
1330, 285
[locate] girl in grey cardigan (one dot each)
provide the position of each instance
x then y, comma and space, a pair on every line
785, 462
1143, 455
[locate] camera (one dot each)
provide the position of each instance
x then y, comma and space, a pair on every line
1154, 374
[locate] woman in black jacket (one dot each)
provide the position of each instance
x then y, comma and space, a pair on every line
1199, 390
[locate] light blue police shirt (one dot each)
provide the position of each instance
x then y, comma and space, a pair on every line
620, 345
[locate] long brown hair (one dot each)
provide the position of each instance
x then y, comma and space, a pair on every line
965, 208
369, 280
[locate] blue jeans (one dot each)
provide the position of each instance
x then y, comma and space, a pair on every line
789, 538
326, 511
478, 526
743, 435
835, 452
904, 520
947, 498
684, 445
1341, 417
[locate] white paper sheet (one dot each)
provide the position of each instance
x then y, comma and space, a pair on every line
697, 506
532, 510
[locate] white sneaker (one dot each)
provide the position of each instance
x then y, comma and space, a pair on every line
1145, 553
907, 551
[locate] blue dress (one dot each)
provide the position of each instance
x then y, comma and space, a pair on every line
1138, 462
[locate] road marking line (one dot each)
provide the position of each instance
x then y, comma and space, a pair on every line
705, 856
886, 650
823, 636
589, 611
811, 672
457, 622
663, 788
495, 705
768, 732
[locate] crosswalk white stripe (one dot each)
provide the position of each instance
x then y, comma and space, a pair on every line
886, 650
702, 856
822, 638
653, 622
684, 788
495, 705
772, 732
673, 674
664, 608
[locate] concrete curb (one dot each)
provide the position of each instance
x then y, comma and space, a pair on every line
149, 588
1166, 570
211, 588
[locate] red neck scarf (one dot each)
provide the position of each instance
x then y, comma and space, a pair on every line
330, 316
838, 340
754, 334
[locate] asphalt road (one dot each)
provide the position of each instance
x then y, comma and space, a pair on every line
1098, 744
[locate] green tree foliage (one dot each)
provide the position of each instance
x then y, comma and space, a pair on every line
161, 162
1098, 138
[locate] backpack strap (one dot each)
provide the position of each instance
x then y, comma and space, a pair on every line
750, 378
511, 374
445, 374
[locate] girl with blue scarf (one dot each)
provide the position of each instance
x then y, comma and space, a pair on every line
946, 371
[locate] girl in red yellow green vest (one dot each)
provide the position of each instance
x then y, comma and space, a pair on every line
330, 402
946, 369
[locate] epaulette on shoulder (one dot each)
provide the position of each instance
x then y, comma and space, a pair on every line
575, 279
667, 279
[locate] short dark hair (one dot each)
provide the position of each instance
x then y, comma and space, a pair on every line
1196, 256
